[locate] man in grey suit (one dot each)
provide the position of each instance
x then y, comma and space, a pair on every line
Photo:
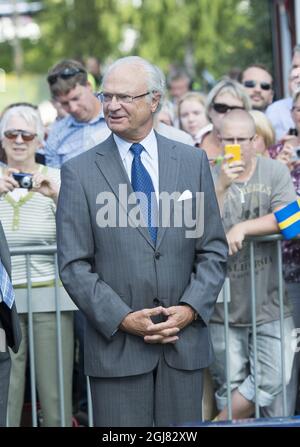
10, 333
147, 291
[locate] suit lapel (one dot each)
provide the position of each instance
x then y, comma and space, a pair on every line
109, 162
168, 165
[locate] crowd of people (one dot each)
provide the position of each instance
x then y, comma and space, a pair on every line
148, 321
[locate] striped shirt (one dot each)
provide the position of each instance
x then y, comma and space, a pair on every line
68, 138
30, 221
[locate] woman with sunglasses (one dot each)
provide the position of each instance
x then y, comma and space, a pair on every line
226, 95
28, 218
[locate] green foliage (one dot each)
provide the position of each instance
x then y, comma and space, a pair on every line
30, 88
216, 35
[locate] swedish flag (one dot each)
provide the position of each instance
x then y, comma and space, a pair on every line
288, 219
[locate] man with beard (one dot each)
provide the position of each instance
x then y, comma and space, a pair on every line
258, 83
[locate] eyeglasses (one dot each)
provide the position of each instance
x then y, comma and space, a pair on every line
237, 140
223, 108
66, 73
125, 99
14, 133
252, 84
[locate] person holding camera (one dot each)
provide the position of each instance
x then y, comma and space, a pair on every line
287, 149
288, 152
28, 195
225, 96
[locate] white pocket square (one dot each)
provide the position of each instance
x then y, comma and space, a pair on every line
185, 195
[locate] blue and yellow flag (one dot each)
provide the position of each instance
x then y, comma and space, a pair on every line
288, 219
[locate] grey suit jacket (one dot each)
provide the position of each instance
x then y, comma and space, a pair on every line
110, 272
9, 317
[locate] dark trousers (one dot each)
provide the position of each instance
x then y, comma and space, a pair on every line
163, 397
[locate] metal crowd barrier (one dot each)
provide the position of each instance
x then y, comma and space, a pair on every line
225, 297
55, 299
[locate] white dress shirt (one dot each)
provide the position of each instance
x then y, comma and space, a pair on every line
149, 157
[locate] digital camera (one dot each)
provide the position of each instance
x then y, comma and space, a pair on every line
24, 179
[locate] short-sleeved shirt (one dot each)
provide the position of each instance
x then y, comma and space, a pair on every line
29, 220
269, 187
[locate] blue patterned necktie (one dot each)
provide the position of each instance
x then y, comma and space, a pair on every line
141, 182
6, 288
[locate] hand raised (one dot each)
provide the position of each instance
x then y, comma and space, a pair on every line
7, 182
45, 185
229, 172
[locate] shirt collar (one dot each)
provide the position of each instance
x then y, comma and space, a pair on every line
75, 123
149, 143
98, 118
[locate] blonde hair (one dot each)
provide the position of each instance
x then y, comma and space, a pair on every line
191, 96
263, 127
227, 85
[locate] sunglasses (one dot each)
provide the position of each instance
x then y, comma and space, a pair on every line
252, 84
14, 133
223, 108
66, 73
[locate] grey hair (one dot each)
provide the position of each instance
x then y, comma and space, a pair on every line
228, 85
30, 115
156, 81
168, 108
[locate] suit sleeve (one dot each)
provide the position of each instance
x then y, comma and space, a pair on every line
75, 243
9, 317
211, 253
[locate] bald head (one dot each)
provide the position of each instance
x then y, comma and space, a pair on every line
239, 120
238, 127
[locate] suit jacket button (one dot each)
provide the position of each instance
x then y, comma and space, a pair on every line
157, 255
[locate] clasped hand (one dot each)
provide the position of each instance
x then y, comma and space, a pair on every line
139, 323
